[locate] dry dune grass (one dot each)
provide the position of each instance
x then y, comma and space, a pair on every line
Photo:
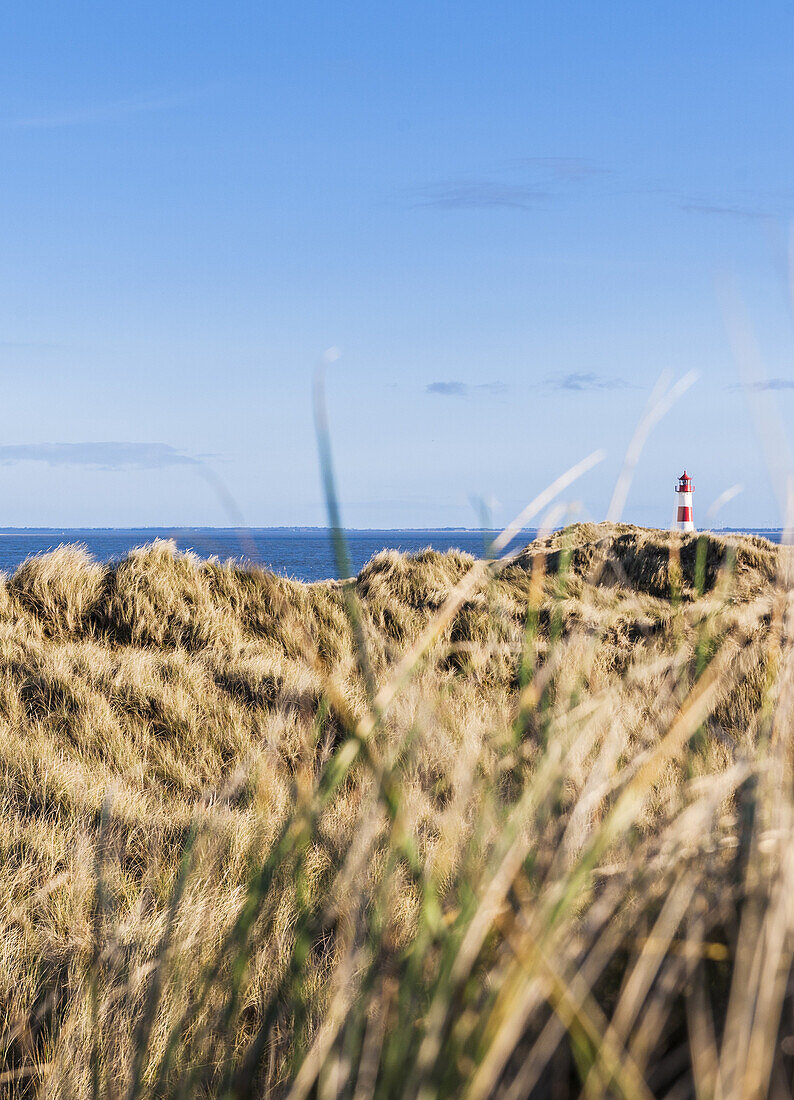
551, 853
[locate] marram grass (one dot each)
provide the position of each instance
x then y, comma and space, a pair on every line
450, 830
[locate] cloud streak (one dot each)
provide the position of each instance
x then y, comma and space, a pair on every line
102, 456
745, 213
579, 382
480, 194
547, 178
29, 345
464, 389
766, 384
540, 182
562, 169
115, 110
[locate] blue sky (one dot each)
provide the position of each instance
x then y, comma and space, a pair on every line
509, 218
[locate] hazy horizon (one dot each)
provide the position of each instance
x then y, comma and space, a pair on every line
325, 528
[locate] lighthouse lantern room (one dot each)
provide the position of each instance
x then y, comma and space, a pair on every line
684, 489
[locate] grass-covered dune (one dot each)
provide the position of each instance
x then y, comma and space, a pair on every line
449, 829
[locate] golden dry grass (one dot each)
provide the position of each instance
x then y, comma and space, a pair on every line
550, 855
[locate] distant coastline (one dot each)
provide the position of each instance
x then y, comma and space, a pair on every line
351, 530
283, 532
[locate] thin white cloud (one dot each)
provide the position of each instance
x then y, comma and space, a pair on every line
115, 110
463, 194
746, 213
561, 169
546, 178
766, 384
103, 456
28, 345
448, 389
530, 183
464, 389
579, 381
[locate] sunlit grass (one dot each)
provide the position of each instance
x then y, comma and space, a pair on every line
452, 829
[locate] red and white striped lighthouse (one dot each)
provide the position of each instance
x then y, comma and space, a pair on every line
685, 488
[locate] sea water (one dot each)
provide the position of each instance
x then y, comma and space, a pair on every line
305, 553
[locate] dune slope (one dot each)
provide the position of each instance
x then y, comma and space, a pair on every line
433, 819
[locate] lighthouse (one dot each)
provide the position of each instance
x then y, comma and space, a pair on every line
685, 488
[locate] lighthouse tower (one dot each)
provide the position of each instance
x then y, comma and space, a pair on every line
685, 488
